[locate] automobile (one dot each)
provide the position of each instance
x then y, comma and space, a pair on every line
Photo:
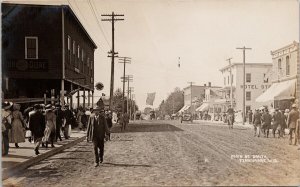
186, 117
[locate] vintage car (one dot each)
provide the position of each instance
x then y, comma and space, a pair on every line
186, 117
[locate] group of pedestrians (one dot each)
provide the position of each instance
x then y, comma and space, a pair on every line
278, 121
43, 124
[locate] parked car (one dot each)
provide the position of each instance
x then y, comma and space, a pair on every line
186, 117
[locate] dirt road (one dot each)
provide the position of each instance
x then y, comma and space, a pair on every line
159, 153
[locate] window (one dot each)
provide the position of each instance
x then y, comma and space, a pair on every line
287, 65
78, 51
31, 47
279, 64
224, 80
91, 68
228, 79
82, 55
74, 47
248, 96
247, 109
69, 43
88, 65
231, 78
248, 77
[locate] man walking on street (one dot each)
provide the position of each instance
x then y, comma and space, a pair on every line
68, 116
59, 120
276, 123
97, 128
291, 122
266, 122
257, 122
37, 126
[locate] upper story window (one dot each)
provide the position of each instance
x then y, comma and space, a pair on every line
74, 47
287, 65
69, 43
248, 96
31, 47
88, 64
228, 79
78, 51
224, 80
279, 64
248, 77
82, 55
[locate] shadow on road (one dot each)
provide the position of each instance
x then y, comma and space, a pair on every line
153, 127
127, 165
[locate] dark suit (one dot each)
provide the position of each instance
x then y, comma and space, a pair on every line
257, 123
291, 122
37, 127
97, 128
266, 122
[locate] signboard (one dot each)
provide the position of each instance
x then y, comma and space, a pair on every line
254, 86
29, 65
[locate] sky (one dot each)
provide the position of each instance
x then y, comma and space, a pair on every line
203, 33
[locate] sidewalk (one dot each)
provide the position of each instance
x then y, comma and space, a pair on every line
24, 156
239, 124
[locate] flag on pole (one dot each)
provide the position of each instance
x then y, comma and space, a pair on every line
150, 98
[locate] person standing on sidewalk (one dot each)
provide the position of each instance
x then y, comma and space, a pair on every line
291, 122
69, 117
109, 121
17, 134
37, 126
59, 120
97, 128
6, 126
49, 133
257, 122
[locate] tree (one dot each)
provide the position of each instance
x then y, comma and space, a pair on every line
173, 103
117, 102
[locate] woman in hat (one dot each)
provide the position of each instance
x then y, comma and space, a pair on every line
50, 117
17, 134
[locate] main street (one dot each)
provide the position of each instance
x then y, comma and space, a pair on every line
169, 153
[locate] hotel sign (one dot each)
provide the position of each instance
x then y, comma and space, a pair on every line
29, 65
255, 87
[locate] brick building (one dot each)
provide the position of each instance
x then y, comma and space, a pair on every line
46, 52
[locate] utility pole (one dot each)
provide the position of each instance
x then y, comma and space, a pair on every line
244, 62
130, 99
231, 96
133, 102
124, 60
113, 18
191, 84
129, 78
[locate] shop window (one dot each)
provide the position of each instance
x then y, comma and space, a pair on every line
287, 65
279, 64
31, 47
248, 77
248, 96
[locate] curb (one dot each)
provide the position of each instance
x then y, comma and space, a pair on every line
21, 166
222, 123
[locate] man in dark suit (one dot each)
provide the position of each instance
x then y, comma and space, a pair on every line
257, 122
292, 121
97, 129
60, 117
37, 126
266, 119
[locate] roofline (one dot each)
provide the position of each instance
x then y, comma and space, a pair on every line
287, 46
203, 86
247, 64
55, 5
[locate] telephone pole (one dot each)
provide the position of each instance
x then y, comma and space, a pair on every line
113, 18
191, 84
124, 60
244, 62
131, 89
231, 96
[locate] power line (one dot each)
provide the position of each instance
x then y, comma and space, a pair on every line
98, 23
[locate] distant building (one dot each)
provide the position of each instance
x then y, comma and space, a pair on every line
284, 77
194, 95
46, 53
256, 82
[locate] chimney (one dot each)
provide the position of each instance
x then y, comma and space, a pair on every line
209, 84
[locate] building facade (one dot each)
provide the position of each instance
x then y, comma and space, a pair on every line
46, 53
257, 81
284, 77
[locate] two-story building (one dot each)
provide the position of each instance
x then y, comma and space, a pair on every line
256, 82
46, 53
285, 78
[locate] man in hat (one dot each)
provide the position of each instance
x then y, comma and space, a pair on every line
291, 123
257, 122
266, 119
37, 126
96, 130
59, 120
276, 123
6, 126
68, 117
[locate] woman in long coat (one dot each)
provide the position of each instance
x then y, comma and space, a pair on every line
49, 134
17, 134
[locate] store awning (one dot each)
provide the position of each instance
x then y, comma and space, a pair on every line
279, 91
203, 107
184, 108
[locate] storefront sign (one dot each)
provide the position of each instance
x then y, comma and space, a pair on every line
254, 87
31, 65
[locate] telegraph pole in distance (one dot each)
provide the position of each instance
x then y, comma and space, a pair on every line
112, 19
131, 89
129, 78
231, 97
244, 62
191, 84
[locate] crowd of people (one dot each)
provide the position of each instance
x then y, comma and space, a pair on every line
277, 121
42, 124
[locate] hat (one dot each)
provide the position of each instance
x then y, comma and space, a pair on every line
287, 110
37, 106
49, 107
16, 106
98, 108
294, 106
7, 105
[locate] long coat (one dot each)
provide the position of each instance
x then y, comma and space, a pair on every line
292, 118
17, 133
257, 118
49, 132
91, 126
37, 124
